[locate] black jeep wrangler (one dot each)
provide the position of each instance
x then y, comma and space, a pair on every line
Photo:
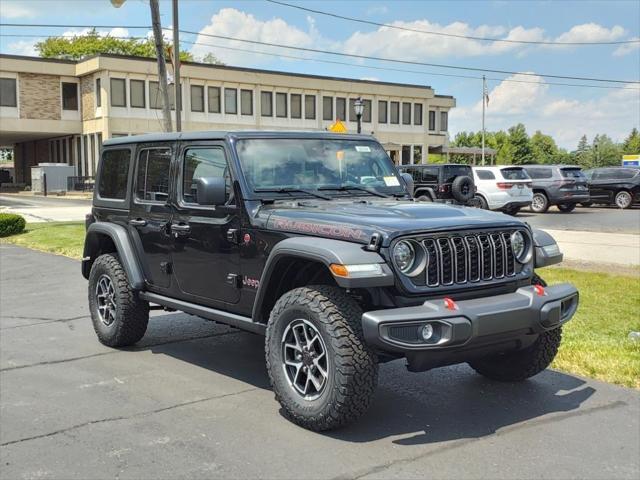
445, 183
314, 240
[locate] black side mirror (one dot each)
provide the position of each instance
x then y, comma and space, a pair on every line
211, 190
408, 180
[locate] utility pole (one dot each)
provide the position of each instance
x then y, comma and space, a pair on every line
176, 67
484, 97
162, 67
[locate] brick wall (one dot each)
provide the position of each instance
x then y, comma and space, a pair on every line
39, 96
87, 97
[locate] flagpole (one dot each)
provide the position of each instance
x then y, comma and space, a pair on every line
484, 89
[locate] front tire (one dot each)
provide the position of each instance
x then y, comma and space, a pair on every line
567, 207
321, 371
118, 314
540, 203
623, 199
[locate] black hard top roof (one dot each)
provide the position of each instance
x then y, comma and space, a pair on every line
223, 135
423, 165
550, 166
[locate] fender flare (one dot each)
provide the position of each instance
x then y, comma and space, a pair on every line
124, 247
425, 191
547, 252
325, 251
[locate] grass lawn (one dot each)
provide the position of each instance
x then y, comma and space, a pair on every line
62, 238
595, 343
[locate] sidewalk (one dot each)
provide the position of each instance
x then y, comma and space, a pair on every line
611, 248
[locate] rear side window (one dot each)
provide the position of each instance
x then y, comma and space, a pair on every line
572, 173
199, 163
114, 173
514, 174
540, 173
625, 173
152, 177
430, 174
450, 172
485, 175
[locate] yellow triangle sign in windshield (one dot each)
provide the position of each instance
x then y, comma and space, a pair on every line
338, 127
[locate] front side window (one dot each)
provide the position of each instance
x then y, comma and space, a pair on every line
246, 102
114, 173
213, 100
432, 120
322, 164
118, 92
200, 163
281, 105
266, 104
197, 98
296, 105
341, 108
382, 111
152, 176
230, 101
69, 96
395, 112
417, 114
310, 107
406, 113
327, 108
136, 90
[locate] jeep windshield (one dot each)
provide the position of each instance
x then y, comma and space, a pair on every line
333, 167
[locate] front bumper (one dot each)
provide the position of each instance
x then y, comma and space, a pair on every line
474, 327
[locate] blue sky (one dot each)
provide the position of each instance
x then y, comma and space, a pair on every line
565, 112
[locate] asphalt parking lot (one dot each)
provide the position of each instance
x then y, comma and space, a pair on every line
192, 400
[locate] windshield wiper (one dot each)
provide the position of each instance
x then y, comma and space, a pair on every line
314, 193
344, 188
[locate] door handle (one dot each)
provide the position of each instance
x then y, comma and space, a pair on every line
180, 228
137, 222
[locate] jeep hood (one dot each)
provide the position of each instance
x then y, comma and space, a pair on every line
356, 221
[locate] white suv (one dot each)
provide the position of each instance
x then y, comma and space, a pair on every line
505, 188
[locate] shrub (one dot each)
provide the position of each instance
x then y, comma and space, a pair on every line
10, 224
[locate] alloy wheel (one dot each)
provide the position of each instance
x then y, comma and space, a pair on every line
623, 199
105, 300
305, 361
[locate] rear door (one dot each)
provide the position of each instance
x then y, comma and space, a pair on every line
573, 181
600, 186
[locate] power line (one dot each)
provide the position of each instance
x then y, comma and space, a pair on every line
444, 34
363, 57
61, 25
334, 62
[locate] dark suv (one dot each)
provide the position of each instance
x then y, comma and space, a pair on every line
614, 186
446, 183
313, 240
562, 185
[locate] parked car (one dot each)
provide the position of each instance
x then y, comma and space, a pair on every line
561, 185
313, 240
618, 186
504, 188
446, 183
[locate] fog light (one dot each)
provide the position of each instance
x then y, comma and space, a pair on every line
426, 332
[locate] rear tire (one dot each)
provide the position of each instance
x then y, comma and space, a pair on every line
540, 203
586, 204
118, 314
567, 207
304, 322
623, 199
512, 211
483, 203
424, 198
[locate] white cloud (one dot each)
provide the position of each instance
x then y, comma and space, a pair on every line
627, 48
591, 32
23, 47
15, 10
614, 112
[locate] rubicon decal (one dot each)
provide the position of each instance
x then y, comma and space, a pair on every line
339, 231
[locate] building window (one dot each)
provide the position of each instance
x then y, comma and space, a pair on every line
214, 99
69, 96
310, 107
246, 102
432, 120
395, 112
366, 113
352, 110
417, 153
197, 98
281, 105
406, 155
444, 121
266, 104
417, 114
406, 113
155, 99
136, 93
230, 100
118, 92
382, 111
327, 108
98, 92
341, 108
114, 174
296, 105
152, 183
8, 95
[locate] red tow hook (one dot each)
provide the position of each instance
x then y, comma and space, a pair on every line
450, 304
539, 290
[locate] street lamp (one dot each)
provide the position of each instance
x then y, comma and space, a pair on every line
358, 107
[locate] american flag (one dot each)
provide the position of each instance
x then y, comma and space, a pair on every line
485, 93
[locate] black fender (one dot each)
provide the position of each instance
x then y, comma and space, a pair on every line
425, 191
547, 252
326, 251
118, 234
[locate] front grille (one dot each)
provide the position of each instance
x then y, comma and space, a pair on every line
472, 257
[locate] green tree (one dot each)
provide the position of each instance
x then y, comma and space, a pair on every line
605, 152
211, 58
92, 43
543, 148
631, 145
520, 145
583, 154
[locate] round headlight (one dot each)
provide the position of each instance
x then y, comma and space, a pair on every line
520, 246
404, 256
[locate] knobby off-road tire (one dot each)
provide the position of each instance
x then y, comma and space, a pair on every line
125, 319
483, 203
351, 366
522, 364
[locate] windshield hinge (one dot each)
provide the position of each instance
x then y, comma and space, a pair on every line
374, 242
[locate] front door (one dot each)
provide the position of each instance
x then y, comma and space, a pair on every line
206, 252
150, 213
